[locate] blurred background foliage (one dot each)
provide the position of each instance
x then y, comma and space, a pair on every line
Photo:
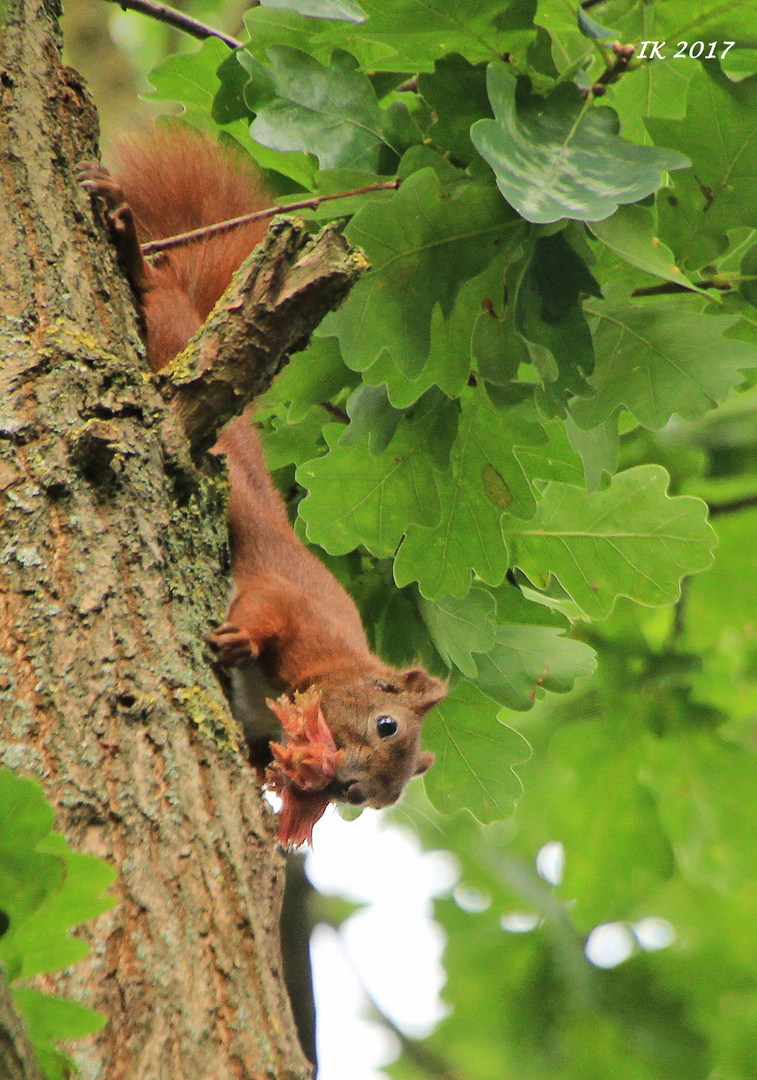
645, 777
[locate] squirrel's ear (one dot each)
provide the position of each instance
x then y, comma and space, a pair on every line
426, 691
423, 762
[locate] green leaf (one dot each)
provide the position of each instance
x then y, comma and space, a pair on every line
568, 45
460, 628
439, 419
739, 64
422, 245
345, 10
475, 756
483, 316
632, 539
631, 234
491, 338
45, 889
549, 315
553, 459
49, 1019
748, 270
371, 416
720, 135
356, 497
485, 479
331, 112
270, 27
564, 660
42, 943
191, 78
657, 88
592, 29
414, 34
555, 158
285, 443
27, 876
527, 659
657, 360
404, 126
315, 375
598, 447
396, 631
516, 350
457, 93
229, 103
473, 329
513, 606
297, 167
341, 182
684, 225
448, 365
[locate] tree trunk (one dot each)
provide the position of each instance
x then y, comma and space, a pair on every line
109, 576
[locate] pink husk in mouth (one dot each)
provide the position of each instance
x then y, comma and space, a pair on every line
303, 767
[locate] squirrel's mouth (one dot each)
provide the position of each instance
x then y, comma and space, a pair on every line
345, 791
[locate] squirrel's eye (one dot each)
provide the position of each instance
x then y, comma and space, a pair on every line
385, 726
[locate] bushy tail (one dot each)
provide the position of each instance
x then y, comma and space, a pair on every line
176, 180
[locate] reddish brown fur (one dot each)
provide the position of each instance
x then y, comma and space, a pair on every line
175, 181
289, 612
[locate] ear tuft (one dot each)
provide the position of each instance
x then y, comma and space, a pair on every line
425, 690
423, 762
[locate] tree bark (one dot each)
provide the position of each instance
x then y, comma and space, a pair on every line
110, 572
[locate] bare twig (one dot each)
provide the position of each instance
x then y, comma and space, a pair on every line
616, 69
408, 87
670, 287
335, 411
568, 946
192, 237
166, 14
746, 502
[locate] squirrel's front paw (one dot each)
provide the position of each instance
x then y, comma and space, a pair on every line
232, 646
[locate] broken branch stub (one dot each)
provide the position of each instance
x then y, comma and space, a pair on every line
279, 295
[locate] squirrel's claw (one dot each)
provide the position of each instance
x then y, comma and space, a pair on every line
119, 218
96, 179
232, 646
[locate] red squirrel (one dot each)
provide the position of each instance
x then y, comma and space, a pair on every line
290, 624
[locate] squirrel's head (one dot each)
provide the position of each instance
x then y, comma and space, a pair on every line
377, 722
